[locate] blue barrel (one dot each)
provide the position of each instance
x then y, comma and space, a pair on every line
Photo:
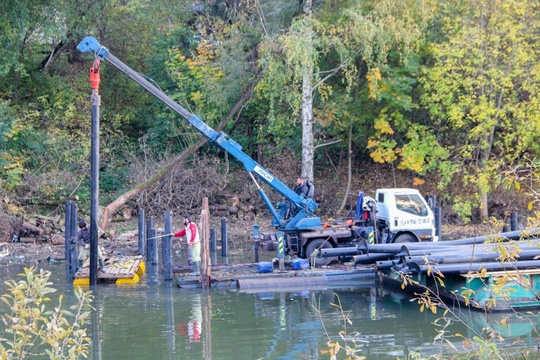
265, 267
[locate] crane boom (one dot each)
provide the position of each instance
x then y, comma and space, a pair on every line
304, 218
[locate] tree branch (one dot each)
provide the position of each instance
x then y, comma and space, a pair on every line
326, 144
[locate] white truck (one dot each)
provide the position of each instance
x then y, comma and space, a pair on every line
394, 216
403, 215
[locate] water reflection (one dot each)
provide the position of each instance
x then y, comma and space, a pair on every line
157, 320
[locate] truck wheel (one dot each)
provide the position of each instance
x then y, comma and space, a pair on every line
318, 244
405, 238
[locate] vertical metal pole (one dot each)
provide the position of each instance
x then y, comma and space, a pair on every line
95, 101
256, 242
67, 237
514, 221
224, 251
141, 232
73, 240
149, 238
166, 243
213, 247
213, 240
432, 201
154, 251
281, 250
438, 222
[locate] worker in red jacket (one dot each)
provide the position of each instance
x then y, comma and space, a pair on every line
191, 232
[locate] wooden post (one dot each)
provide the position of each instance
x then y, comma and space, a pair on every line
205, 245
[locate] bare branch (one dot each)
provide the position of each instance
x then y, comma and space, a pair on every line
326, 144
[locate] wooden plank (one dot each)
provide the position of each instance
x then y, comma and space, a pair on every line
115, 269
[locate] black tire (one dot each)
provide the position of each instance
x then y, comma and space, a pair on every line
318, 244
404, 238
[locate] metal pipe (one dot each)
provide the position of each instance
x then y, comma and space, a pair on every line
282, 282
166, 244
395, 248
213, 241
514, 221
73, 240
224, 245
140, 235
67, 237
95, 101
343, 251
457, 258
153, 244
149, 239
256, 242
387, 265
473, 267
372, 258
438, 222
365, 247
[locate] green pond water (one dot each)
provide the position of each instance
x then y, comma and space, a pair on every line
158, 320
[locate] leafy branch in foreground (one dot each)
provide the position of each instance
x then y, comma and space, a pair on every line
31, 329
350, 343
484, 343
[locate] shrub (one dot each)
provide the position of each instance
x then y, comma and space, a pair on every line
31, 329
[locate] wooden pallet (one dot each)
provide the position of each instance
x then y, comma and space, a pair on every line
118, 267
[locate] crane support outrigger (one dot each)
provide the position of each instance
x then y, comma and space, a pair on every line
303, 219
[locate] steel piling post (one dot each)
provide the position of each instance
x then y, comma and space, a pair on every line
513, 221
224, 245
166, 244
95, 101
73, 240
149, 238
67, 237
140, 235
256, 243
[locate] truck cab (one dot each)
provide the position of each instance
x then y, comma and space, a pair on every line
403, 215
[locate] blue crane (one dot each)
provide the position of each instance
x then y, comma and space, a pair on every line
303, 218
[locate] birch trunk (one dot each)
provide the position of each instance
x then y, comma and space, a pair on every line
307, 102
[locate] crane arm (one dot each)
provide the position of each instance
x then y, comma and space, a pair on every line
304, 219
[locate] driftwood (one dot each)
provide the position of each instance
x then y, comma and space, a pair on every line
44, 219
33, 229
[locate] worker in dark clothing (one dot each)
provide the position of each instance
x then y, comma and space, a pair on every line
83, 240
302, 187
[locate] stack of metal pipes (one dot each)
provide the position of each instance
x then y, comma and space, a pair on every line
491, 252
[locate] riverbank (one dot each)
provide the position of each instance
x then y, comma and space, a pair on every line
122, 239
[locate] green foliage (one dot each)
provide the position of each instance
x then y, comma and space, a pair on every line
31, 329
478, 87
448, 89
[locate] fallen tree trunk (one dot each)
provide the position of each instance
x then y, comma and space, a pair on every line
114, 206
33, 229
